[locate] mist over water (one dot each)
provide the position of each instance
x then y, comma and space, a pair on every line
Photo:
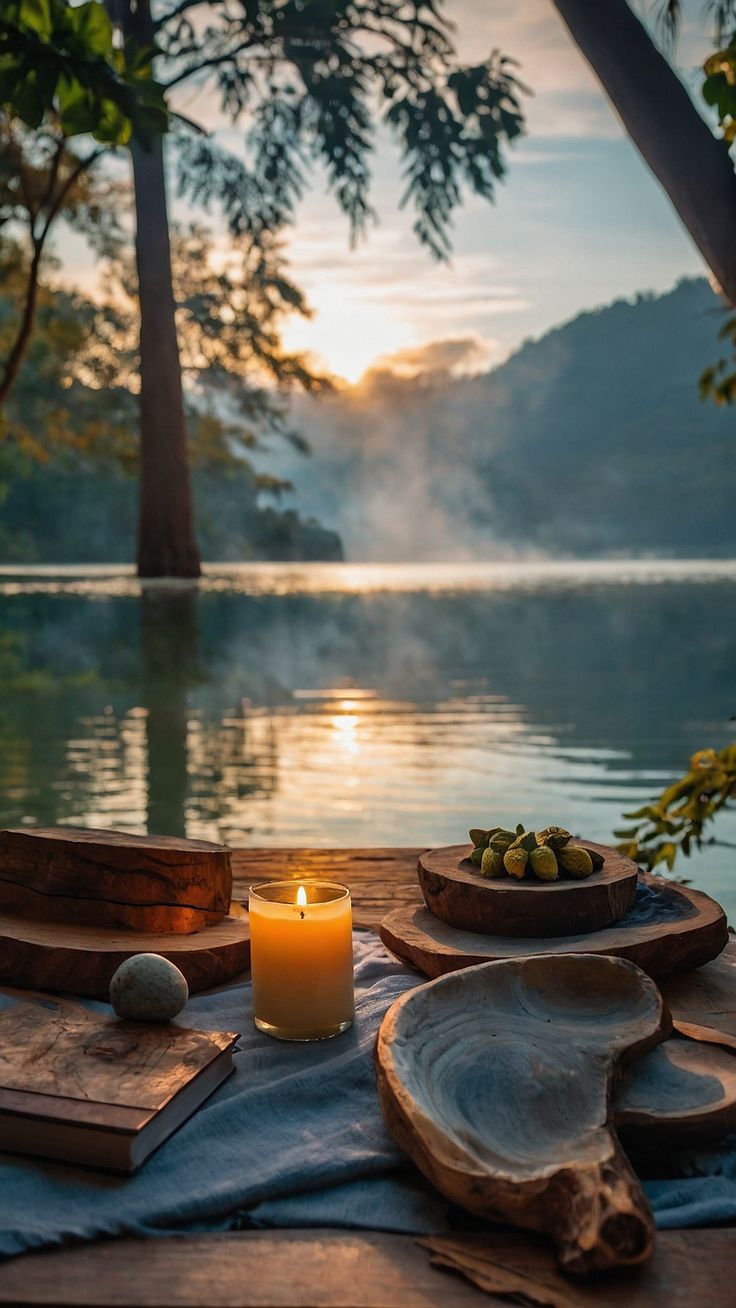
364, 704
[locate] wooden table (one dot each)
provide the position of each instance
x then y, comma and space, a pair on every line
329, 1268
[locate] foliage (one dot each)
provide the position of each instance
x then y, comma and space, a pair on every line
59, 61
718, 380
229, 326
70, 448
43, 177
675, 822
307, 76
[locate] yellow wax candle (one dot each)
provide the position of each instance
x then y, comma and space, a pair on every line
301, 950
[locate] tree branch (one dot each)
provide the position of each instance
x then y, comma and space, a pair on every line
25, 327
689, 162
63, 192
214, 62
177, 12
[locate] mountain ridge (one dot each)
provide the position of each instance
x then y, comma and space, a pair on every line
590, 439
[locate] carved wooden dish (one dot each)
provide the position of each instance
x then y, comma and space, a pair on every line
457, 894
677, 930
497, 1082
681, 1090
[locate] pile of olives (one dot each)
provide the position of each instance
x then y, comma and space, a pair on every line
546, 854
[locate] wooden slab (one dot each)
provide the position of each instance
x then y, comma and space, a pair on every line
681, 1089
81, 960
378, 879
496, 1081
351, 1269
687, 1268
457, 894
107, 879
693, 932
703, 1003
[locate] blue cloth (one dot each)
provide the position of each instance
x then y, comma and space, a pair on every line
294, 1138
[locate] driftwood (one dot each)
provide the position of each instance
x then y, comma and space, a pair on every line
703, 1003
681, 1089
496, 1081
687, 1268
54, 956
108, 879
456, 893
691, 932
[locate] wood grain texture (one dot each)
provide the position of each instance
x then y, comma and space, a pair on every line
336, 1269
378, 879
54, 956
676, 1276
703, 1003
349, 1269
107, 879
456, 893
497, 1081
675, 944
680, 1090
57, 1047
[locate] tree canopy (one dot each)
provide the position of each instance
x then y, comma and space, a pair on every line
60, 60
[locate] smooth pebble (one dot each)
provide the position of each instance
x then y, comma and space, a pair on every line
148, 988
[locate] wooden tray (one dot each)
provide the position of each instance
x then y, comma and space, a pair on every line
497, 1082
703, 1004
457, 894
53, 956
678, 1092
685, 929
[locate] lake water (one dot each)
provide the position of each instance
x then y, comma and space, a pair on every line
363, 704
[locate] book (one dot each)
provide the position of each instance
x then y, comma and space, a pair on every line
78, 1087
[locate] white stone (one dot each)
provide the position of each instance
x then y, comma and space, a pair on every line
148, 988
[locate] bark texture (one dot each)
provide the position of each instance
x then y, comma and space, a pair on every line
166, 541
691, 164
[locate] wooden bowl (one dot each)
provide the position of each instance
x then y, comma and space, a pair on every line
497, 1082
456, 893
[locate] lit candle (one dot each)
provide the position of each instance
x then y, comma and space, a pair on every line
301, 951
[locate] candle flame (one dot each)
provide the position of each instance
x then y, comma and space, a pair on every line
301, 897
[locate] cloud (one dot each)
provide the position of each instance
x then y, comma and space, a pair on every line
454, 356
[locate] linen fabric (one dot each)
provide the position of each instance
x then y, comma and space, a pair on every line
294, 1138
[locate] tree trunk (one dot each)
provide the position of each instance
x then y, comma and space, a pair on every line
691, 164
166, 542
22, 340
169, 667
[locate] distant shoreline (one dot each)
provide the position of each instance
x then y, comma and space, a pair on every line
280, 578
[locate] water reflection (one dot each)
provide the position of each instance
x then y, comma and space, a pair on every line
278, 708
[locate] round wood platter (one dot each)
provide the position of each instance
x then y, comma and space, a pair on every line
457, 894
55, 956
689, 930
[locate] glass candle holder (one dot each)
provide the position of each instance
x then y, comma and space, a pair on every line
301, 951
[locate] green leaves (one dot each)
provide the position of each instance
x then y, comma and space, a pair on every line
719, 89
316, 78
58, 61
92, 27
676, 821
453, 134
718, 382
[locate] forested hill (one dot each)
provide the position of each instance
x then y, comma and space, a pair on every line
590, 440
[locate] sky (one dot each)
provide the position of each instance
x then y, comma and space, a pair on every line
579, 220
